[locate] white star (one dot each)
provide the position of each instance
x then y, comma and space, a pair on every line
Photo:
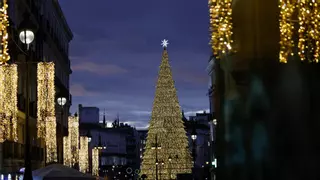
164, 43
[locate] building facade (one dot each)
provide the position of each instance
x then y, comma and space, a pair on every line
89, 114
51, 44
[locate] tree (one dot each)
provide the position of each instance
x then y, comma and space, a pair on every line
167, 153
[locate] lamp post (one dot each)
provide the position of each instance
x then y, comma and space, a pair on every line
26, 36
156, 147
61, 102
194, 138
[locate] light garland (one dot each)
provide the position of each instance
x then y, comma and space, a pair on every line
83, 154
51, 144
4, 23
46, 95
8, 102
221, 26
166, 130
46, 108
308, 33
66, 151
95, 162
286, 29
73, 124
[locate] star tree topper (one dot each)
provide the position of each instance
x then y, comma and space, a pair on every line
164, 43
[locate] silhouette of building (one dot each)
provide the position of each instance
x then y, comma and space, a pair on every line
89, 114
51, 44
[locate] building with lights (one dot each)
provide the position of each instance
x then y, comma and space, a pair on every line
199, 123
267, 84
51, 44
121, 150
143, 139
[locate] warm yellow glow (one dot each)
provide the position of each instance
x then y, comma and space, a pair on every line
8, 102
308, 33
51, 144
166, 130
83, 154
66, 151
46, 108
74, 138
221, 26
95, 162
286, 29
4, 23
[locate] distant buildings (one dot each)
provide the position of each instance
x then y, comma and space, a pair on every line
143, 140
203, 156
122, 144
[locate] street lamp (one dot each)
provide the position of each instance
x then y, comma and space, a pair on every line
26, 36
89, 136
61, 102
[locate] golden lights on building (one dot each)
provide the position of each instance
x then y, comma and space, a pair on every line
84, 154
304, 13
66, 151
8, 102
46, 123
95, 162
221, 26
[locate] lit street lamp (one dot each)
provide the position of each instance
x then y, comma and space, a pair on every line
26, 36
100, 147
61, 101
89, 136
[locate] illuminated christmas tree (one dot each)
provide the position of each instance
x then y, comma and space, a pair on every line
167, 153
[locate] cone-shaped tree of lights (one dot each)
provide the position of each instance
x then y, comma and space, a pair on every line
167, 152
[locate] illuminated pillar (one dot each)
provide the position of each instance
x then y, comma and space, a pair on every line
83, 154
46, 123
95, 162
66, 151
8, 102
74, 138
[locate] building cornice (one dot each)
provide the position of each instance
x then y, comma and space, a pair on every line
63, 19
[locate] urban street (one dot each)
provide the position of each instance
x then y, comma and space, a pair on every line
159, 90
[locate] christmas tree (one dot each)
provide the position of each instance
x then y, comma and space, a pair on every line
167, 153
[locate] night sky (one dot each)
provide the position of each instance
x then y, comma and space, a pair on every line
116, 53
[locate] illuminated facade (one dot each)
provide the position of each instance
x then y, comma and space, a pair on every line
84, 154
52, 48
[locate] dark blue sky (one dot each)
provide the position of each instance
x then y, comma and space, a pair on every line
116, 52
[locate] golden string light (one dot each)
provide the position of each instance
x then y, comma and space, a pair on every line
66, 151
51, 144
95, 162
286, 29
166, 130
8, 102
46, 95
221, 26
4, 23
308, 18
73, 124
83, 154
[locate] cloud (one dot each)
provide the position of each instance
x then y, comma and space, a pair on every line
141, 112
80, 90
100, 69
